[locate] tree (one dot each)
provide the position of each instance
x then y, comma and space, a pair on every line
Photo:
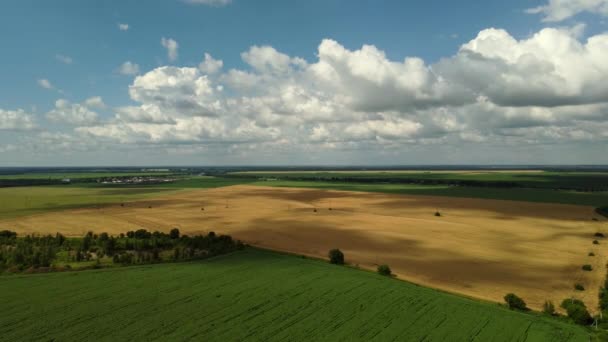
336, 257
514, 302
7, 234
384, 270
577, 311
549, 308
174, 233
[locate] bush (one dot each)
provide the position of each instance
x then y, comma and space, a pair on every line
7, 234
587, 267
577, 311
174, 233
598, 234
336, 257
437, 214
514, 302
591, 254
549, 308
384, 270
595, 242
579, 287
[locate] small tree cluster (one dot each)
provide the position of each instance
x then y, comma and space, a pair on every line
577, 311
515, 302
336, 257
549, 308
384, 270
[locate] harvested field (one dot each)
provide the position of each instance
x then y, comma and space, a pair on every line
480, 248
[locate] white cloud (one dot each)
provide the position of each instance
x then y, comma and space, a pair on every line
123, 27
95, 102
128, 68
44, 83
215, 3
267, 59
177, 91
495, 90
16, 120
171, 46
73, 113
210, 65
551, 68
559, 10
64, 59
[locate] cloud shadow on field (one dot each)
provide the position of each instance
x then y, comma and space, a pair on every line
405, 256
503, 209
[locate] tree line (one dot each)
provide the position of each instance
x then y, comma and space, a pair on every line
133, 247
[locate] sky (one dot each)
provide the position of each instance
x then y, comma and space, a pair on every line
328, 82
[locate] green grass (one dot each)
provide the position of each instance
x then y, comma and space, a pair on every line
515, 194
256, 296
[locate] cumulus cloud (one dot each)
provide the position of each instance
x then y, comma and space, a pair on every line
171, 46
551, 68
128, 68
123, 27
63, 59
44, 83
74, 113
559, 10
210, 65
215, 3
95, 102
16, 120
495, 90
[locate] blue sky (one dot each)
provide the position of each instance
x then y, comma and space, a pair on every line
87, 32
72, 51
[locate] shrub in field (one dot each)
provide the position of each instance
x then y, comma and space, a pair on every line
577, 311
579, 287
598, 234
587, 267
7, 234
438, 214
595, 242
384, 270
336, 257
591, 254
514, 302
549, 308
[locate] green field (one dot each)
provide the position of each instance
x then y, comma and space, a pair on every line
515, 194
21, 201
253, 295
544, 179
81, 175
